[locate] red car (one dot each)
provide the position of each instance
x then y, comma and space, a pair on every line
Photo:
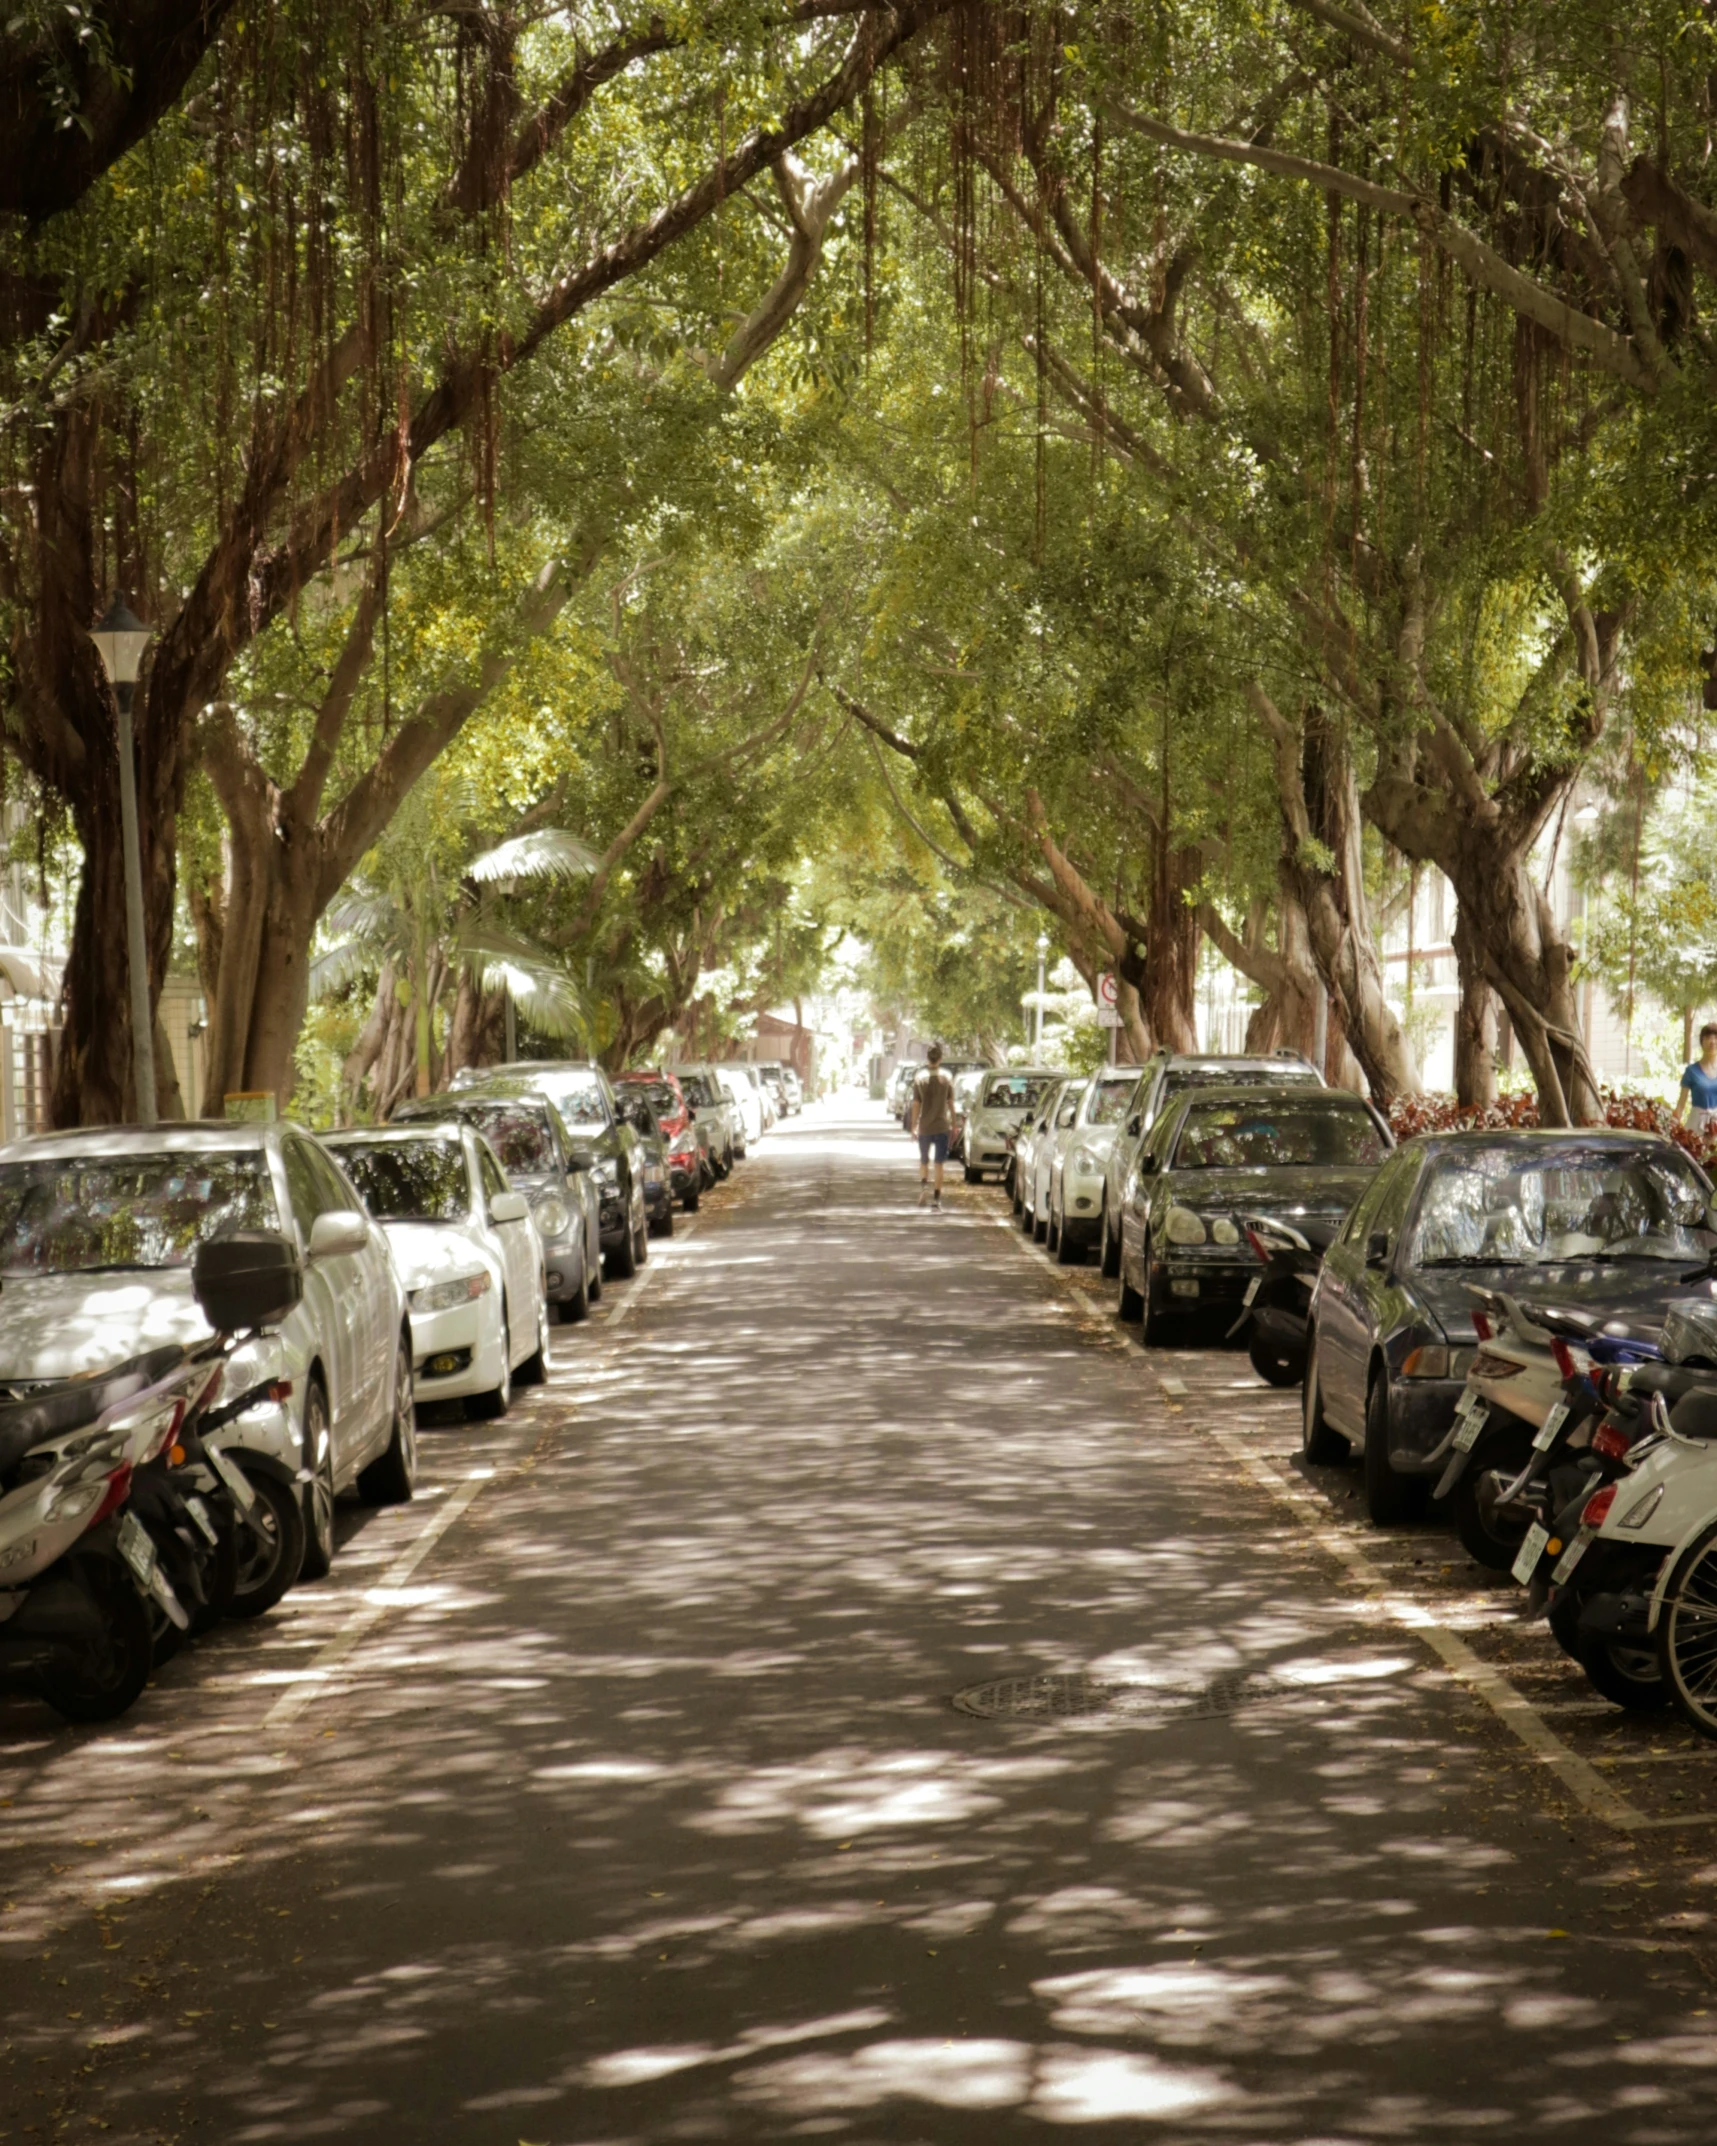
679, 1136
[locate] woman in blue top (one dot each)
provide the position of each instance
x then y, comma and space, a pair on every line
1697, 1102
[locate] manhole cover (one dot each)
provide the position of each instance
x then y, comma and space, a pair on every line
1081, 1697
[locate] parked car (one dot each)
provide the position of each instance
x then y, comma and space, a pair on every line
776, 1082
1219, 1153
753, 1098
536, 1151
1595, 1218
795, 1088
1076, 1174
467, 1253
1161, 1078
1003, 1103
966, 1086
599, 1141
899, 1091
1052, 1131
682, 1149
97, 1233
651, 1159
716, 1117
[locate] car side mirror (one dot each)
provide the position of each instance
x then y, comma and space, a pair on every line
1135, 1125
250, 1278
1377, 1248
509, 1207
340, 1231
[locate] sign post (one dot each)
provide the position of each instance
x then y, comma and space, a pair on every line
1109, 1008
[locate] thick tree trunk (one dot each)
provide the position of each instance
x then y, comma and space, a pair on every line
1475, 1021
477, 1033
1169, 992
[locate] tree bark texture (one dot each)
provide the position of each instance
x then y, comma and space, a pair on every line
1475, 1020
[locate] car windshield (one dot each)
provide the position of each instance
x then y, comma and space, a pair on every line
409, 1180
696, 1090
81, 1214
1277, 1135
518, 1132
1179, 1078
660, 1097
1110, 1101
1016, 1091
1512, 1205
576, 1094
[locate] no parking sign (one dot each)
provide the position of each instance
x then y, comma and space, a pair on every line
1108, 1000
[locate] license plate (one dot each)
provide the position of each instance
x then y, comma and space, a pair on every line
1468, 1401
136, 1549
199, 1512
1251, 1290
234, 1477
1570, 1557
1531, 1550
1468, 1435
1183, 1289
1549, 1427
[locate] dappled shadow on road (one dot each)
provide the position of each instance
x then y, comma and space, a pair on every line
648, 1815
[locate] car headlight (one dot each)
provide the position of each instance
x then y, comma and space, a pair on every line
552, 1218
1085, 1162
1184, 1227
442, 1296
1223, 1231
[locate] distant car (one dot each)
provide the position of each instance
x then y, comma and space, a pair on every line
899, 1090
468, 1255
775, 1080
715, 1117
1076, 1173
795, 1089
1002, 1104
651, 1159
527, 1134
97, 1229
1053, 1130
966, 1086
1161, 1078
599, 1141
1291, 1149
682, 1151
1587, 1220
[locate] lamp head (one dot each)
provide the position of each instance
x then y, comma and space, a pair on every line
120, 638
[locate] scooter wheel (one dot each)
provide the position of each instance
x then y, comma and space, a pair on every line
1686, 1638
1276, 1367
271, 1547
104, 1678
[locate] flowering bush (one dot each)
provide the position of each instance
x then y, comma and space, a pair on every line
1411, 1114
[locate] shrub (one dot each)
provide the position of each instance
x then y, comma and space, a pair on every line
1622, 1106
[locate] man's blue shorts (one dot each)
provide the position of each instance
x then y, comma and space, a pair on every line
933, 1147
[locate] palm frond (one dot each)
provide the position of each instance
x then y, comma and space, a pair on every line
343, 964
544, 853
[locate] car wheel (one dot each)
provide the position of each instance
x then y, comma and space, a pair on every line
1391, 1498
663, 1225
270, 1545
1111, 1255
391, 1477
1275, 1366
1320, 1442
973, 1177
486, 1407
1159, 1325
1068, 1254
622, 1263
1686, 1635
534, 1370
1013, 1189
1051, 1228
574, 1309
1491, 1538
1131, 1305
641, 1237
319, 1491
1039, 1226
690, 1201
107, 1676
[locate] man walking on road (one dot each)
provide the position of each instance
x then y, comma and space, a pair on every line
933, 1120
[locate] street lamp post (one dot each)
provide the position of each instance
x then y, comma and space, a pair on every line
1042, 956
120, 639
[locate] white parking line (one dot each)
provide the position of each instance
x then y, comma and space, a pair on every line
1522, 1720
378, 1600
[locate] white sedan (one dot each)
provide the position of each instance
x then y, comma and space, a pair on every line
468, 1255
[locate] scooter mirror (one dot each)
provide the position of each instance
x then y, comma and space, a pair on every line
246, 1279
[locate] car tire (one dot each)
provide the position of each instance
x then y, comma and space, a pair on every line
1484, 1542
973, 1177
110, 1681
1039, 1227
1013, 1188
1320, 1442
318, 1560
1110, 1262
271, 1544
1051, 1231
621, 1263
663, 1225
641, 1239
573, 1310
1130, 1305
1068, 1253
391, 1478
689, 1201
1391, 1498
1272, 1366
1158, 1327
534, 1370
487, 1407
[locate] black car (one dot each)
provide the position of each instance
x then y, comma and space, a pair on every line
527, 1134
601, 1141
1217, 1154
1581, 1220
652, 1157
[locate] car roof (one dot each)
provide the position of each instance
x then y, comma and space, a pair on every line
205, 1136
426, 1109
1254, 1091
1244, 1062
541, 1065
1480, 1136
401, 1129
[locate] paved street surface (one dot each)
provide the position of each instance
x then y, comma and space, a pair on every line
631, 1801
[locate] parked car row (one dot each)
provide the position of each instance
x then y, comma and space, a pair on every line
1515, 1329
214, 1331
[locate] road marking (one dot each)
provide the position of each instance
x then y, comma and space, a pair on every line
379, 1600
1582, 1781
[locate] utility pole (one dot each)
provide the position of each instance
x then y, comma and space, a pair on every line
1042, 956
120, 640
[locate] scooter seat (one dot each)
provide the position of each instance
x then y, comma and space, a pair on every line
1695, 1414
1583, 1326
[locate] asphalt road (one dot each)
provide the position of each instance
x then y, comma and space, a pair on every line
616, 1791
